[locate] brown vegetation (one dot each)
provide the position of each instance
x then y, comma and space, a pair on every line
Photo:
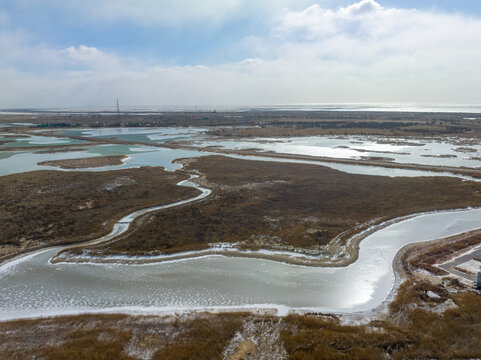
201, 337
422, 334
43, 208
276, 123
448, 170
425, 255
425, 321
350, 127
50, 148
415, 329
265, 204
91, 162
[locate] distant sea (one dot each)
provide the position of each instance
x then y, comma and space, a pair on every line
145, 110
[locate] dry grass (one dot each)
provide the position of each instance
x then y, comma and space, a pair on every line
85, 162
205, 339
423, 334
46, 207
420, 256
263, 204
89, 345
92, 337
413, 331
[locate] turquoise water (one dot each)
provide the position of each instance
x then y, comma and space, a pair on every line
34, 141
6, 154
144, 155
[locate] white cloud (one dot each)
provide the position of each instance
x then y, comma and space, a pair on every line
92, 58
84, 53
364, 52
377, 40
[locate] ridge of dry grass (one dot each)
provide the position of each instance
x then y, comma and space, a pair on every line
262, 204
43, 208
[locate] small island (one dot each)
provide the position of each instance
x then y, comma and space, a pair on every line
84, 163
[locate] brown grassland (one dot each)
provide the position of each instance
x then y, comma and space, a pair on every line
86, 162
43, 208
260, 204
276, 123
269, 204
339, 127
364, 161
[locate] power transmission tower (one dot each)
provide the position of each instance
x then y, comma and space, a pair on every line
118, 110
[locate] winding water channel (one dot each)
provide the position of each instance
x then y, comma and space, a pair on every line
32, 286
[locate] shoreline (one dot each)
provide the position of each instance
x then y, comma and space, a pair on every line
106, 229
272, 309
86, 163
287, 257
345, 317
469, 173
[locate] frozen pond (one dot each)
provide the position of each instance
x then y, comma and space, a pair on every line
137, 156
33, 287
151, 134
449, 152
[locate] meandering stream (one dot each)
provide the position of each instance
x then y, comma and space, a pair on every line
32, 286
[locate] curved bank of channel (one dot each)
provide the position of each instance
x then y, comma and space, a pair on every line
33, 287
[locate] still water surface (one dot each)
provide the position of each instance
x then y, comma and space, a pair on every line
33, 287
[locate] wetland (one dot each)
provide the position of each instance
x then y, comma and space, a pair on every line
237, 245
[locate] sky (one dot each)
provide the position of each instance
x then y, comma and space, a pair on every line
86, 53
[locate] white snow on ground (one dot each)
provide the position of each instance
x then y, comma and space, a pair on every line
472, 266
264, 335
433, 295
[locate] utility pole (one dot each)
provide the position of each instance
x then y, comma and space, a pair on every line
118, 110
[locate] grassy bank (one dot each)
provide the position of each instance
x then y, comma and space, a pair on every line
427, 320
415, 329
261, 204
43, 208
86, 162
